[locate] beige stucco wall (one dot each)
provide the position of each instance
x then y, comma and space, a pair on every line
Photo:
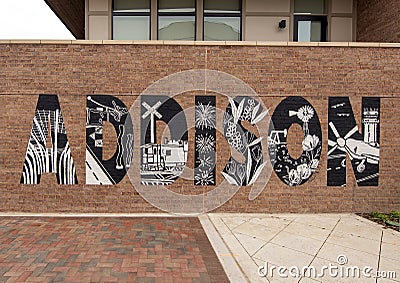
341, 29
266, 28
98, 19
260, 20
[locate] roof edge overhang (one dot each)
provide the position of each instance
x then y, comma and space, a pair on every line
72, 15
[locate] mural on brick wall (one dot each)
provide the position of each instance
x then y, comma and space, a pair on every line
205, 139
243, 109
345, 139
100, 109
291, 171
162, 163
57, 159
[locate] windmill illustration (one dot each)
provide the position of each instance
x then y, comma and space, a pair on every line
356, 149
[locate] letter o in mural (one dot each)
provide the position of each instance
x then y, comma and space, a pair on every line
294, 172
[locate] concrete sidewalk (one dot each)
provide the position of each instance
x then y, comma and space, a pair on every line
208, 248
243, 242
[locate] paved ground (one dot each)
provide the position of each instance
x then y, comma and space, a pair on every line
314, 240
106, 250
146, 248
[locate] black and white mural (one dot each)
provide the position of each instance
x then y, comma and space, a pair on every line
294, 172
248, 144
162, 164
345, 139
205, 138
58, 158
100, 109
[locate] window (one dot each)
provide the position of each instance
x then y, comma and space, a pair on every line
176, 19
222, 20
310, 20
131, 19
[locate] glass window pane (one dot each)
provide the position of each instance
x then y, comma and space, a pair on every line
176, 5
222, 28
131, 27
310, 6
176, 27
222, 6
131, 5
309, 31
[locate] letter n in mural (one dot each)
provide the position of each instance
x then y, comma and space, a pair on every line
39, 159
344, 138
100, 109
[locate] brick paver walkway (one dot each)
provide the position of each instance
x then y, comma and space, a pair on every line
106, 250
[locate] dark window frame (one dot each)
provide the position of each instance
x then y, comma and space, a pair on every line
322, 19
226, 15
130, 14
184, 14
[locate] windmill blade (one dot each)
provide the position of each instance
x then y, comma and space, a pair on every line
352, 155
332, 150
333, 128
352, 131
332, 143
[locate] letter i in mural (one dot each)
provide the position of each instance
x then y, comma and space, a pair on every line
100, 109
248, 144
205, 137
162, 163
39, 159
345, 139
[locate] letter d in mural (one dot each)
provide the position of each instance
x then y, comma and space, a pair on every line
101, 108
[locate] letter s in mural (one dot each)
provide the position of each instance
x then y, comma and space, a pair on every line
243, 109
344, 138
101, 108
40, 159
295, 110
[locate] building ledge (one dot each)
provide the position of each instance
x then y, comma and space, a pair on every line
206, 43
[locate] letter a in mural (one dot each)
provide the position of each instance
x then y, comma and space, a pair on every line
107, 108
162, 163
39, 159
248, 144
294, 172
344, 138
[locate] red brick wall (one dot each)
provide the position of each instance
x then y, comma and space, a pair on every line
73, 71
378, 21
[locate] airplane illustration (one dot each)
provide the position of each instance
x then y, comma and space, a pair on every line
356, 149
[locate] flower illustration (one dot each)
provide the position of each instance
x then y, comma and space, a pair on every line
205, 116
310, 142
305, 113
304, 171
314, 164
294, 177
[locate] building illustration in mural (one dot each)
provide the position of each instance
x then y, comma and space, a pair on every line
205, 138
100, 109
162, 164
345, 139
291, 171
57, 159
243, 109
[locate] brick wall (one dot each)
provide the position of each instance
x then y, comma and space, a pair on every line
73, 71
378, 21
